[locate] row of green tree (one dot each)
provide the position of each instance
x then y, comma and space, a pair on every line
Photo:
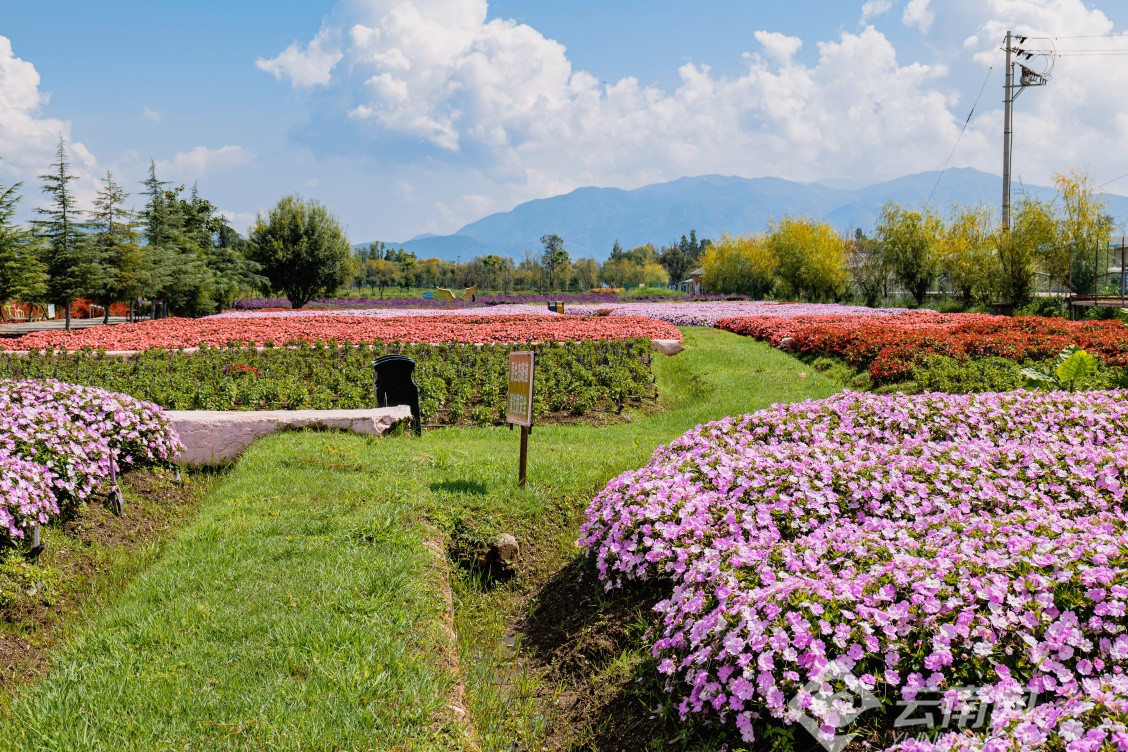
180, 256
177, 250
968, 253
552, 269
177, 254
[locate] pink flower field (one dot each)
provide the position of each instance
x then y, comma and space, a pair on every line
971, 548
57, 442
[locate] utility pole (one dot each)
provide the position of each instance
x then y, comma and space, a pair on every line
1011, 90
1008, 133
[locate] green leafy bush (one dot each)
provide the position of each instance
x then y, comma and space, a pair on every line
1054, 307
652, 292
1072, 368
1106, 313
458, 382
942, 373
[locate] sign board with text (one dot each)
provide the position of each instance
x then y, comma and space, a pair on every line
519, 405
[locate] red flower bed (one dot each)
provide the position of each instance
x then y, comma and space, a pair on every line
889, 345
217, 332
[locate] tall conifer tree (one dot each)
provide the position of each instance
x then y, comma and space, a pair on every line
70, 270
159, 223
22, 275
115, 236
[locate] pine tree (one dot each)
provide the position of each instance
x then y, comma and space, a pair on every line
70, 270
115, 236
199, 263
225, 254
173, 234
191, 291
160, 229
22, 275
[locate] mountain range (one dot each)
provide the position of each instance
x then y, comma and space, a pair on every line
591, 220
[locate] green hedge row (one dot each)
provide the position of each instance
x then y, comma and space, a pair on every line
459, 383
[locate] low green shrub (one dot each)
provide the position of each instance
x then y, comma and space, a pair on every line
459, 383
1052, 306
652, 292
941, 373
1105, 313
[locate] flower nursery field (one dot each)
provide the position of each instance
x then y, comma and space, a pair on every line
302, 606
689, 312
738, 569
415, 300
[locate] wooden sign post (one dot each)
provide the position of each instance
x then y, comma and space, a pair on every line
519, 405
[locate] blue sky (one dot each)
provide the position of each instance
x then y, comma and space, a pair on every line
411, 116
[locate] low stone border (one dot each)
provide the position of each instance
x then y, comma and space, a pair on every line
217, 437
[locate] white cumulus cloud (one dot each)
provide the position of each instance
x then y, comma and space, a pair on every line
874, 8
439, 72
501, 105
779, 47
307, 67
917, 13
198, 162
28, 139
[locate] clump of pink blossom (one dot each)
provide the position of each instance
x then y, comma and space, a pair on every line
909, 543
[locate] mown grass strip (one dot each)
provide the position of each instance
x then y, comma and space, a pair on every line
300, 610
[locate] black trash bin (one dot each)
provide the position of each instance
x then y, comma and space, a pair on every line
394, 386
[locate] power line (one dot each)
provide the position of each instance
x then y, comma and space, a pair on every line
963, 130
1102, 185
1075, 53
1088, 36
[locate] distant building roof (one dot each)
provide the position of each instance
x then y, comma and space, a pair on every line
697, 272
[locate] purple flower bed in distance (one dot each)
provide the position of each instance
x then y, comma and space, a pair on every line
901, 545
677, 311
57, 442
707, 313
254, 304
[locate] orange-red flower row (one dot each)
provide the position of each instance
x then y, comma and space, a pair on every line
217, 332
890, 345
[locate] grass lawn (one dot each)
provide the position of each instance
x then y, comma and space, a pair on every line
306, 604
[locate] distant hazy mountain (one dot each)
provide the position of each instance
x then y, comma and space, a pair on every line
591, 219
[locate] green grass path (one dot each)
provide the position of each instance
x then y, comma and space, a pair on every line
303, 608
